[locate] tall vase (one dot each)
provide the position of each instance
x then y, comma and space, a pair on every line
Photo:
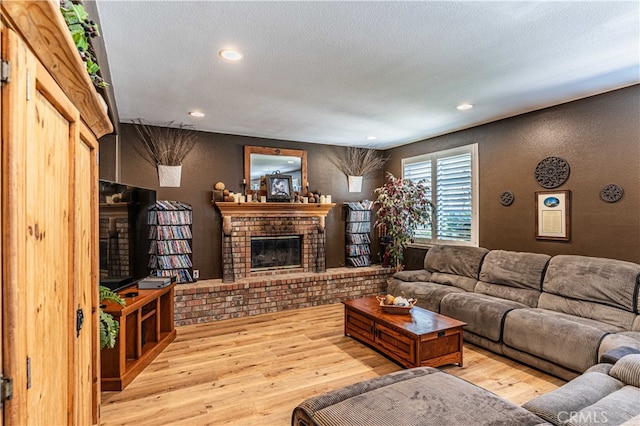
355, 183
169, 176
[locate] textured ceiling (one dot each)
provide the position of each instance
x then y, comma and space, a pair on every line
335, 72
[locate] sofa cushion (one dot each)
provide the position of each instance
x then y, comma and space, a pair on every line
456, 260
569, 341
419, 396
412, 276
483, 314
514, 269
428, 294
595, 311
512, 275
539, 363
629, 339
464, 283
627, 370
607, 281
525, 296
600, 368
579, 393
614, 409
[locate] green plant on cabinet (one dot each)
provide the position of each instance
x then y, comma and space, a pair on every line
83, 29
109, 327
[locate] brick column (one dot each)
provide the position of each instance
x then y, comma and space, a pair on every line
321, 261
227, 260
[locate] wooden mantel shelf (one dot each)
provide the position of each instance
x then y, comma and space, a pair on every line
253, 209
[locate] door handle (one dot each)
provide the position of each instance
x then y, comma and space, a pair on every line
79, 320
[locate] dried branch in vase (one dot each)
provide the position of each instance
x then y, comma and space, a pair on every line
360, 161
167, 145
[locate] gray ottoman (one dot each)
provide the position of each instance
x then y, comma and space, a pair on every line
417, 396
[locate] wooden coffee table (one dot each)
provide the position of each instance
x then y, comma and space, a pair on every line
417, 339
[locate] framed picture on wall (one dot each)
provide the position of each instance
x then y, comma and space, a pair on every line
279, 188
553, 215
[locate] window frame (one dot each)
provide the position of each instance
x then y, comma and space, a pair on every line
433, 157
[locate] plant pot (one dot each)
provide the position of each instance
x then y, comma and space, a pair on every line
169, 176
355, 183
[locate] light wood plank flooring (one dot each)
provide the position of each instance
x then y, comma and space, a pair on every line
255, 370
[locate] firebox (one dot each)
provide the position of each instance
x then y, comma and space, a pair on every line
278, 252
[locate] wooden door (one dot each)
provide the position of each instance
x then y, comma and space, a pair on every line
48, 247
85, 268
2, 53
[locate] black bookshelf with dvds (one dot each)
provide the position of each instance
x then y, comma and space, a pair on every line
170, 236
358, 233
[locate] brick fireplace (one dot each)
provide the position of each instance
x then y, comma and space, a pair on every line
244, 222
116, 241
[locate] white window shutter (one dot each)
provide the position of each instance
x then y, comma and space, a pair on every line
450, 176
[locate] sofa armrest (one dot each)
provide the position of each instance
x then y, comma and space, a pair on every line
612, 356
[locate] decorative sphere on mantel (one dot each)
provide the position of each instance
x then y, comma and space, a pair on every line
219, 186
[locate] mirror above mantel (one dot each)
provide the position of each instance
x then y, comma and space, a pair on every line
261, 161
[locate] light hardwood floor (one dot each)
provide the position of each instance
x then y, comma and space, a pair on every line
255, 370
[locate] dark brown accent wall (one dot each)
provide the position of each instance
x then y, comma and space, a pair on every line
108, 155
599, 137
219, 157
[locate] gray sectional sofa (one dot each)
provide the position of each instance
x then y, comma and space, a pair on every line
558, 314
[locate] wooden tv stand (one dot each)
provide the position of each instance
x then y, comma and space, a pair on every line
146, 328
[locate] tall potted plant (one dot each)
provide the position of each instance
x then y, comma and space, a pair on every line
403, 206
165, 147
357, 163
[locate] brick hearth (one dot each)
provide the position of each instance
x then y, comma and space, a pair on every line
213, 300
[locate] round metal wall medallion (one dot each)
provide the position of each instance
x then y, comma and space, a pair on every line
552, 172
611, 193
506, 198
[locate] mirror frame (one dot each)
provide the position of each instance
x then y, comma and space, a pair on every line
265, 150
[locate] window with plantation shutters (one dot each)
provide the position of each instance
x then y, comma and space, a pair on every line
417, 171
450, 176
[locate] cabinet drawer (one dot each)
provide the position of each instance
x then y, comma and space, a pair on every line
397, 345
443, 344
359, 326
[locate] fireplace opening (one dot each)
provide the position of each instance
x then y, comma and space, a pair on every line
270, 253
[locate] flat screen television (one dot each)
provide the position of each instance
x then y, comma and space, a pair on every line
124, 234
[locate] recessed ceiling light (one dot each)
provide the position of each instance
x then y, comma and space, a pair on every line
196, 114
230, 54
290, 162
371, 138
462, 107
